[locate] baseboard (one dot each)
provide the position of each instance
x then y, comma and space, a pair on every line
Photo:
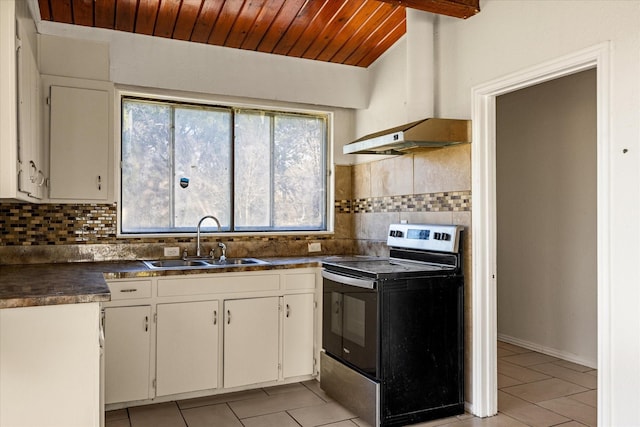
560, 354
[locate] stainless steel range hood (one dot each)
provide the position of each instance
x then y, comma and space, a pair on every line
426, 133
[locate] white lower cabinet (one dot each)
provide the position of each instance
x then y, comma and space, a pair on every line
251, 329
50, 366
187, 347
198, 334
126, 357
298, 349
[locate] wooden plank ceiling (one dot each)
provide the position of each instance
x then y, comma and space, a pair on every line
351, 32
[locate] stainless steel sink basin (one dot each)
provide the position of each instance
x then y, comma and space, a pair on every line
238, 261
174, 264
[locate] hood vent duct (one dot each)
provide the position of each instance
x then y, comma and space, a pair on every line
426, 133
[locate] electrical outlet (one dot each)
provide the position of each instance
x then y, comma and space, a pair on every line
172, 251
315, 247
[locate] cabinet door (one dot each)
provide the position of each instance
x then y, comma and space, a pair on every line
250, 341
126, 353
79, 143
297, 358
50, 366
187, 347
30, 151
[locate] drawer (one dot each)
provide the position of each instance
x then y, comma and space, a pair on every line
130, 289
299, 281
212, 285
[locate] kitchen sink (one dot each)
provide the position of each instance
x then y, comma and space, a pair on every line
239, 261
173, 264
176, 263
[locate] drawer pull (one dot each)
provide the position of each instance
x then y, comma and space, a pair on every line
288, 310
146, 323
128, 290
215, 317
228, 317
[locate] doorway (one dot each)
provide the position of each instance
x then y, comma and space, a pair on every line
546, 217
484, 251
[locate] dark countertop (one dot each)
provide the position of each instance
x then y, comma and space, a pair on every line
26, 285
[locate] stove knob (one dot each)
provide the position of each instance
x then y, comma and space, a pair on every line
437, 236
399, 233
446, 236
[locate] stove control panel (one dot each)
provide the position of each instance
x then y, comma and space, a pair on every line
434, 237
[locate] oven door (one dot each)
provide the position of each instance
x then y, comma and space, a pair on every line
350, 321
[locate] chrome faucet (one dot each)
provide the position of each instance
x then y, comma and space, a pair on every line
198, 231
224, 251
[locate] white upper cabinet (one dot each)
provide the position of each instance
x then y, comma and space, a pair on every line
80, 131
22, 160
31, 174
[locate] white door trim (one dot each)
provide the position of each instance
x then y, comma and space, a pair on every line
484, 383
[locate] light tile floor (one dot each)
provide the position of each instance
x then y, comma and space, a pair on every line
533, 390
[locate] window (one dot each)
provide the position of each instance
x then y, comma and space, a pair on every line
254, 170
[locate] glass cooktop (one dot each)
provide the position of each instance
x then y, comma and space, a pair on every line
382, 268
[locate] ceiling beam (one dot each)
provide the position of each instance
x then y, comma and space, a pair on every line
456, 8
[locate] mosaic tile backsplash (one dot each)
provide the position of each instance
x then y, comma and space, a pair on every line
55, 224
25, 224
52, 233
455, 201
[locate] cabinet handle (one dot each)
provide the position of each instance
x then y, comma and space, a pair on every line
215, 317
228, 317
337, 307
33, 171
99, 182
146, 323
288, 310
42, 178
128, 290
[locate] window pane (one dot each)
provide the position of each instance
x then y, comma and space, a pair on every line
299, 179
146, 166
203, 156
252, 171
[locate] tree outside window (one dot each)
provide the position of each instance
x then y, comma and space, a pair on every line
254, 170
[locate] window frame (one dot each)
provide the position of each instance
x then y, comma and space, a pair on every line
235, 105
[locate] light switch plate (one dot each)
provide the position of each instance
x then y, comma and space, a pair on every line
172, 251
315, 247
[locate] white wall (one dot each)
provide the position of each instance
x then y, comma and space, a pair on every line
509, 36
546, 209
401, 82
156, 62
388, 99
388, 92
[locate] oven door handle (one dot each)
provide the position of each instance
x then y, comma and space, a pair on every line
351, 281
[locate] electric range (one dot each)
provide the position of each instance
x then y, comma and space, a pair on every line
393, 328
